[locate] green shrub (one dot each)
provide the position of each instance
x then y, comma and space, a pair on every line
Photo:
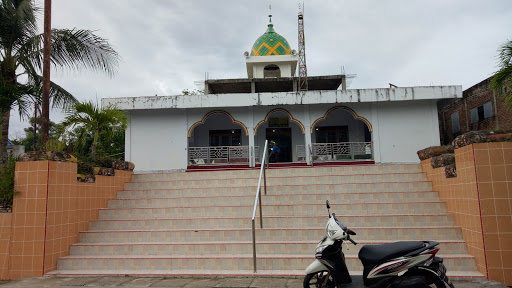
7, 191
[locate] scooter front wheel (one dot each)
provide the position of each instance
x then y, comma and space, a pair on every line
322, 279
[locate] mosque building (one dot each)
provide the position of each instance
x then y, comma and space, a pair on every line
229, 124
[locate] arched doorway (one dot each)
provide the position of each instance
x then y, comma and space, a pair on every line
218, 139
280, 126
340, 135
271, 71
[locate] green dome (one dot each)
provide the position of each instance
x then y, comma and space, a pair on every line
270, 43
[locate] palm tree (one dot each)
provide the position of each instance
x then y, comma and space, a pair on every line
93, 119
501, 82
21, 53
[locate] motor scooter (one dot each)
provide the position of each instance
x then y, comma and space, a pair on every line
405, 264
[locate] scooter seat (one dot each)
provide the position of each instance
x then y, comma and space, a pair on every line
372, 255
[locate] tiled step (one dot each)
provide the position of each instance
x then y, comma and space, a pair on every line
277, 190
306, 171
225, 273
295, 180
274, 210
306, 248
273, 222
375, 197
278, 234
455, 262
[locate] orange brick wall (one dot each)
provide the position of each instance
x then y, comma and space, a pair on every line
50, 210
5, 240
29, 214
461, 197
480, 198
494, 175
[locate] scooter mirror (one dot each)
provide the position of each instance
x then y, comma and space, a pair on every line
327, 204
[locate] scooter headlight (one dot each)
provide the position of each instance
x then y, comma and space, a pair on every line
320, 249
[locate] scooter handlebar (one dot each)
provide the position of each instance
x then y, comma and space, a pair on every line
353, 242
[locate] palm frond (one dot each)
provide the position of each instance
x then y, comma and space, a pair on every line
59, 97
17, 23
505, 56
16, 94
501, 82
83, 49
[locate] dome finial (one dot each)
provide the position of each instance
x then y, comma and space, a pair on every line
270, 15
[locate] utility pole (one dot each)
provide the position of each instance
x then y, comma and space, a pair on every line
46, 73
303, 70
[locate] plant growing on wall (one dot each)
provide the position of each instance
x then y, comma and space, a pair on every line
501, 82
90, 118
7, 191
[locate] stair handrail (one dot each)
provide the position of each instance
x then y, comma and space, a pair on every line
258, 200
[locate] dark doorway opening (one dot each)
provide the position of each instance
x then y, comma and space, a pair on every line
332, 134
283, 139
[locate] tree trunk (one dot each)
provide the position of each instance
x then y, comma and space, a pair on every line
35, 127
5, 135
94, 143
46, 73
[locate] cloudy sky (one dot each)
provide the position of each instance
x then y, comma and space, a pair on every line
167, 45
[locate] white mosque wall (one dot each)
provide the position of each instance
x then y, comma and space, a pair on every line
157, 139
404, 128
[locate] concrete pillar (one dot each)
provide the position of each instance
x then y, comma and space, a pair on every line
206, 88
253, 86
128, 140
250, 128
375, 133
307, 135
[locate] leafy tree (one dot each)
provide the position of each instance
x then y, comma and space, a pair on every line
112, 147
21, 52
31, 138
90, 118
501, 82
194, 92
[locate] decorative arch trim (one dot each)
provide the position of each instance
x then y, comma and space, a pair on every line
233, 120
302, 129
349, 110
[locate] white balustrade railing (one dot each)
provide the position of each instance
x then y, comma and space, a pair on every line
337, 151
219, 155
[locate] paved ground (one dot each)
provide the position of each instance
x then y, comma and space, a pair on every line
73, 282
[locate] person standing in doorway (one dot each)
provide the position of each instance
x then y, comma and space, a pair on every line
274, 151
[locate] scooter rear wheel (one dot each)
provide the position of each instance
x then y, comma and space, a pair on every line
431, 279
322, 279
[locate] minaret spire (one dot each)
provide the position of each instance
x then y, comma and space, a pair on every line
270, 15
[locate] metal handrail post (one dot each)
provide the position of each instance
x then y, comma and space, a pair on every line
265, 181
261, 212
254, 245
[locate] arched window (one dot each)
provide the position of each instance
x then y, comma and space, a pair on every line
271, 71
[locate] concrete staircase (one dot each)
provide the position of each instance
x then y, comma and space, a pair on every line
200, 223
